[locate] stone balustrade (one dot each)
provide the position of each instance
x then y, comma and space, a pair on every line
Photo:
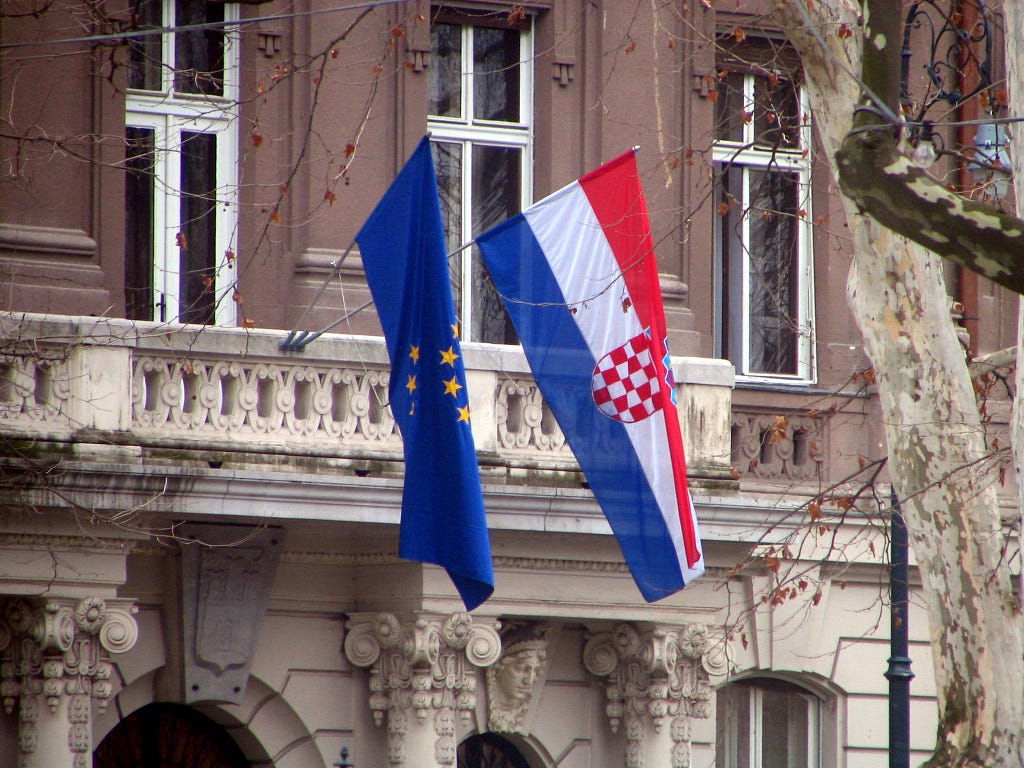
147, 384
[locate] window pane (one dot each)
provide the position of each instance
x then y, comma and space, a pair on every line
776, 112
732, 727
448, 166
496, 74
446, 71
784, 719
199, 53
772, 273
497, 189
729, 108
139, 192
198, 235
145, 54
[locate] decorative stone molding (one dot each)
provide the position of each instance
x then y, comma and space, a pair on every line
525, 421
655, 677
34, 390
243, 398
423, 672
775, 446
512, 680
227, 572
55, 653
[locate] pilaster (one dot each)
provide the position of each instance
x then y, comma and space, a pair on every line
424, 671
54, 663
656, 681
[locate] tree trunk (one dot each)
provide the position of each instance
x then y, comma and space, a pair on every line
938, 459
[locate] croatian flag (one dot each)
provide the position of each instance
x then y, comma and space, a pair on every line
579, 279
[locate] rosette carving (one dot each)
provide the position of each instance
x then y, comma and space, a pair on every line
56, 651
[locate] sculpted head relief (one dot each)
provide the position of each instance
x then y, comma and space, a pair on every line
511, 680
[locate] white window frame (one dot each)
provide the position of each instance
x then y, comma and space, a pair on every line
755, 710
745, 155
468, 131
169, 114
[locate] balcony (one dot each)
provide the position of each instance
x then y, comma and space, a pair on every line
140, 422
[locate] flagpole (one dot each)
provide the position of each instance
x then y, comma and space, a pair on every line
297, 341
290, 341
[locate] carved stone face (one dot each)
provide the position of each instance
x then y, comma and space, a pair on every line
516, 676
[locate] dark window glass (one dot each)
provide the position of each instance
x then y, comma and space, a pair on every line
446, 71
765, 724
760, 283
497, 190
773, 277
496, 74
140, 190
729, 114
489, 750
197, 233
199, 53
145, 53
448, 167
168, 736
776, 112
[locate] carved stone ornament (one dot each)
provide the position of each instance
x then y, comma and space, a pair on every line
655, 682
226, 576
55, 652
423, 673
511, 681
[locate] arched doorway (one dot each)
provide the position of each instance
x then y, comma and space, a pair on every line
489, 750
168, 736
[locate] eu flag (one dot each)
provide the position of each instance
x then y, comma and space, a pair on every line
404, 255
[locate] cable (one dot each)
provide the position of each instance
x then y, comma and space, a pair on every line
133, 33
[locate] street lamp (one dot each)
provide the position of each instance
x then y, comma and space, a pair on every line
991, 165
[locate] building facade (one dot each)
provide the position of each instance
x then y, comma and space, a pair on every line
199, 526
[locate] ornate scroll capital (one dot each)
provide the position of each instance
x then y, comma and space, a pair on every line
58, 651
422, 669
655, 676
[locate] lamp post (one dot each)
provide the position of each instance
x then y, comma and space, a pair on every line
898, 674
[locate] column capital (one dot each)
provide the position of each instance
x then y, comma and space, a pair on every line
655, 675
56, 652
422, 673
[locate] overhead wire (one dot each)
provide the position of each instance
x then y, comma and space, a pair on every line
225, 24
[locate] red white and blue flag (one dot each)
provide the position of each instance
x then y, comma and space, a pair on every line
579, 278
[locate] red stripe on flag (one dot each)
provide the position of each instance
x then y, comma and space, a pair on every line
617, 198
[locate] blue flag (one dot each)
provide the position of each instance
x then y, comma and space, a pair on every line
404, 255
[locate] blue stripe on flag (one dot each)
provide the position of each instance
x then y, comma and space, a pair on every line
562, 365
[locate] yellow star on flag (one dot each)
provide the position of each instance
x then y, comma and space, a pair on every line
464, 414
411, 383
452, 386
448, 356
455, 330
414, 353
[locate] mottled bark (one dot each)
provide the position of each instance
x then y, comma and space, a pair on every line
933, 429
905, 198
884, 184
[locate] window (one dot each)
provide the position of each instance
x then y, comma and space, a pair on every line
764, 289
767, 724
480, 121
489, 750
180, 162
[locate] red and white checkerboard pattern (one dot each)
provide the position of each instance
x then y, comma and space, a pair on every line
625, 381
